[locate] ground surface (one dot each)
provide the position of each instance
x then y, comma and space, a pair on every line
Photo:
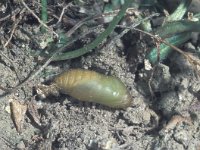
168, 120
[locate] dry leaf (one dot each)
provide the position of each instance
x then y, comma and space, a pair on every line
175, 120
33, 111
18, 111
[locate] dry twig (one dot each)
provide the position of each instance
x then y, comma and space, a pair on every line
14, 28
40, 21
188, 57
34, 74
175, 120
16, 11
62, 13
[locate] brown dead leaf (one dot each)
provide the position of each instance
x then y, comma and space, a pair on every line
18, 111
175, 120
33, 111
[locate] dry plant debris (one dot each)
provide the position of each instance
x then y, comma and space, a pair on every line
18, 111
176, 120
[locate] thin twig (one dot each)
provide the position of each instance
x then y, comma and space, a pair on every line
62, 13
113, 13
80, 23
5, 45
188, 57
191, 59
135, 24
16, 11
42, 23
74, 28
14, 28
12, 32
34, 74
12, 63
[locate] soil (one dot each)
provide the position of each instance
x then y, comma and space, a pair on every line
165, 112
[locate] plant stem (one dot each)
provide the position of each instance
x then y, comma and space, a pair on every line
176, 27
166, 50
180, 11
44, 15
98, 40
